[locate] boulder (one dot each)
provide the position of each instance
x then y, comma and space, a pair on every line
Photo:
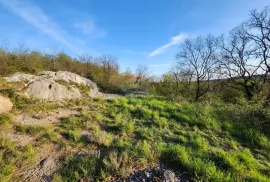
50, 90
55, 86
47, 73
5, 104
20, 77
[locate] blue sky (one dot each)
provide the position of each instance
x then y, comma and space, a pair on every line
136, 31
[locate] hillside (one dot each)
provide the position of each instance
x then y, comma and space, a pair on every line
134, 138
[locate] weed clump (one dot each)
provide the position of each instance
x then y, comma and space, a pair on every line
28, 129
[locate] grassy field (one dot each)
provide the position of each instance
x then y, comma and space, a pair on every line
205, 142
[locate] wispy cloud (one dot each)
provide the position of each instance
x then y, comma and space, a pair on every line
174, 41
89, 28
35, 16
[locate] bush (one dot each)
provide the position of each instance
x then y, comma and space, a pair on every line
102, 138
71, 135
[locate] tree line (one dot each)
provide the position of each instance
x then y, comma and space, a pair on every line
104, 69
238, 62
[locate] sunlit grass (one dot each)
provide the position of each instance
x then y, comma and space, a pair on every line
192, 138
204, 142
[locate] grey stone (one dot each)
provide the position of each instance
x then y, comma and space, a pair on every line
46, 85
50, 90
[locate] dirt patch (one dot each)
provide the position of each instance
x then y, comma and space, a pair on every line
41, 119
44, 167
43, 170
50, 155
50, 161
5, 104
20, 139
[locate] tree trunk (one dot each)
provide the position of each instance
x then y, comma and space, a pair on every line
197, 91
249, 92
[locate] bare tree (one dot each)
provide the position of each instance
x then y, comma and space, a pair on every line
141, 73
259, 31
109, 65
21, 49
181, 75
4, 51
239, 62
175, 72
22, 53
88, 61
199, 55
53, 52
5, 45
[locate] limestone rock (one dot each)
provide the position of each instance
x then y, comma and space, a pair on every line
50, 90
5, 104
169, 176
55, 86
20, 77
47, 73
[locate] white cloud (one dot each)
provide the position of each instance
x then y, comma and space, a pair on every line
174, 41
36, 17
89, 28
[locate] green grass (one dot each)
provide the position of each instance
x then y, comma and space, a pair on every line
12, 157
31, 130
47, 137
72, 136
206, 142
202, 141
31, 105
5, 119
79, 167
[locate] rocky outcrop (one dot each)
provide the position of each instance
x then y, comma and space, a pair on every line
20, 77
5, 104
50, 90
54, 86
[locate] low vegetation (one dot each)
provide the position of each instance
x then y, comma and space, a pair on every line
202, 141
12, 156
206, 141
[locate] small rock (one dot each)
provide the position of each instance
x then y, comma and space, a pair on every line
169, 176
42, 162
46, 162
36, 116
